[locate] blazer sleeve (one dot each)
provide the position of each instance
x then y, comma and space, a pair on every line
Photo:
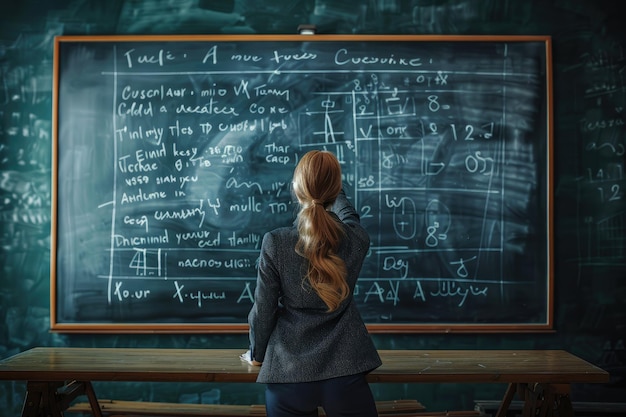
344, 209
264, 312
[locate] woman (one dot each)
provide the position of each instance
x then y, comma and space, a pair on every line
305, 328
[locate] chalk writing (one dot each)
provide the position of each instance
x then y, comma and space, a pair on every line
204, 139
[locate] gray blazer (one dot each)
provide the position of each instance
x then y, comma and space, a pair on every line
291, 331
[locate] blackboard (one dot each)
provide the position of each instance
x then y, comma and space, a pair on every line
174, 154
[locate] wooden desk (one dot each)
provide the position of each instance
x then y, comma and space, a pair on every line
56, 376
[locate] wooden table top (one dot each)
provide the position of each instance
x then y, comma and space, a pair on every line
224, 365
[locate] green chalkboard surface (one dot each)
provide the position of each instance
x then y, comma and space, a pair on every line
174, 154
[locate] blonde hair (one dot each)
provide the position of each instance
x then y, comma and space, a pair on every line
316, 184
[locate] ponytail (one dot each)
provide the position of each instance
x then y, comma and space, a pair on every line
317, 182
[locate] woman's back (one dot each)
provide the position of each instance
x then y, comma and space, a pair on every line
307, 342
305, 327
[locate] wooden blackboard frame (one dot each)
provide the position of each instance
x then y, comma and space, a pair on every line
545, 324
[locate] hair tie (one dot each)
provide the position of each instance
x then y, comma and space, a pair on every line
316, 202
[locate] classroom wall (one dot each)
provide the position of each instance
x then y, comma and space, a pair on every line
589, 148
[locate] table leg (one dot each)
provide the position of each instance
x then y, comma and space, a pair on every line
32, 402
41, 400
561, 400
93, 401
531, 395
506, 401
546, 400
50, 399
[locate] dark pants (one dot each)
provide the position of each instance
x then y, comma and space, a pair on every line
340, 397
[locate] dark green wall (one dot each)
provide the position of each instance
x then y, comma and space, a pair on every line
589, 186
